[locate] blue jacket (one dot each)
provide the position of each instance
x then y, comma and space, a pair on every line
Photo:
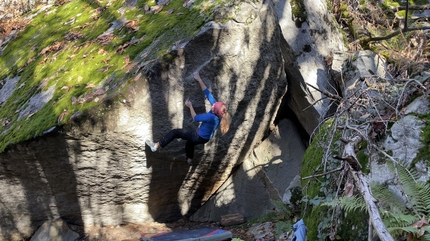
209, 121
300, 231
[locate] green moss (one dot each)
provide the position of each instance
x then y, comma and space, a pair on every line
344, 10
363, 158
319, 189
317, 223
322, 189
354, 226
299, 12
390, 4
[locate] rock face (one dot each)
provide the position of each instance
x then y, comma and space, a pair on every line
263, 177
96, 170
267, 174
13, 8
55, 231
311, 40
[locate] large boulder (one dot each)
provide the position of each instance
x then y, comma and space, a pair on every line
311, 37
96, 170
269, 173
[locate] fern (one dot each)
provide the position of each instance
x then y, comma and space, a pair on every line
348, 204
387, 199
404, 231
397, 220
426, 237
418, 193
396, 213
281, 207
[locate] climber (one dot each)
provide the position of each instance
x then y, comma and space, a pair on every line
217, 116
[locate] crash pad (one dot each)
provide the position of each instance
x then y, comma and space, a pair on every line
198, 234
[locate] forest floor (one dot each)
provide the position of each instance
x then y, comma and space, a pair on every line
133, 232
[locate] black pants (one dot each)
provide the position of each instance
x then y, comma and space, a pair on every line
191, 137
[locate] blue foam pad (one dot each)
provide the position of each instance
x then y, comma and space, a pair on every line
199, 234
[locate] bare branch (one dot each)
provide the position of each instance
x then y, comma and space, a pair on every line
403, 92
328, 94
322, 174
415, 7
372, 209
363, 186
395, 33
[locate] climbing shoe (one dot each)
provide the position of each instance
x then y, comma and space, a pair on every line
151, 145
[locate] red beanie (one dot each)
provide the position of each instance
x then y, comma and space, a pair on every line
217, 108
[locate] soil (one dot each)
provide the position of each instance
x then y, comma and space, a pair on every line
133, 232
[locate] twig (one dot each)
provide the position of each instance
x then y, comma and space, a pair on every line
404, 89
328, 94
314, 103
322, 174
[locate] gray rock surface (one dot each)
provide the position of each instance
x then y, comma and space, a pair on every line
54, 230
263, 177
8, 87
306, 48
403, 143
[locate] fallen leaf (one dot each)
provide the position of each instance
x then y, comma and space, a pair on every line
67, 88
5, 123
22, 85
103, 52
89, 97
30, 115
157, 9
61, 117
121, 48
364, 116
204, 8
137, 77
99, 92
420, 223
105, 39
90, 86
132, 24
131, 66
127, 61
